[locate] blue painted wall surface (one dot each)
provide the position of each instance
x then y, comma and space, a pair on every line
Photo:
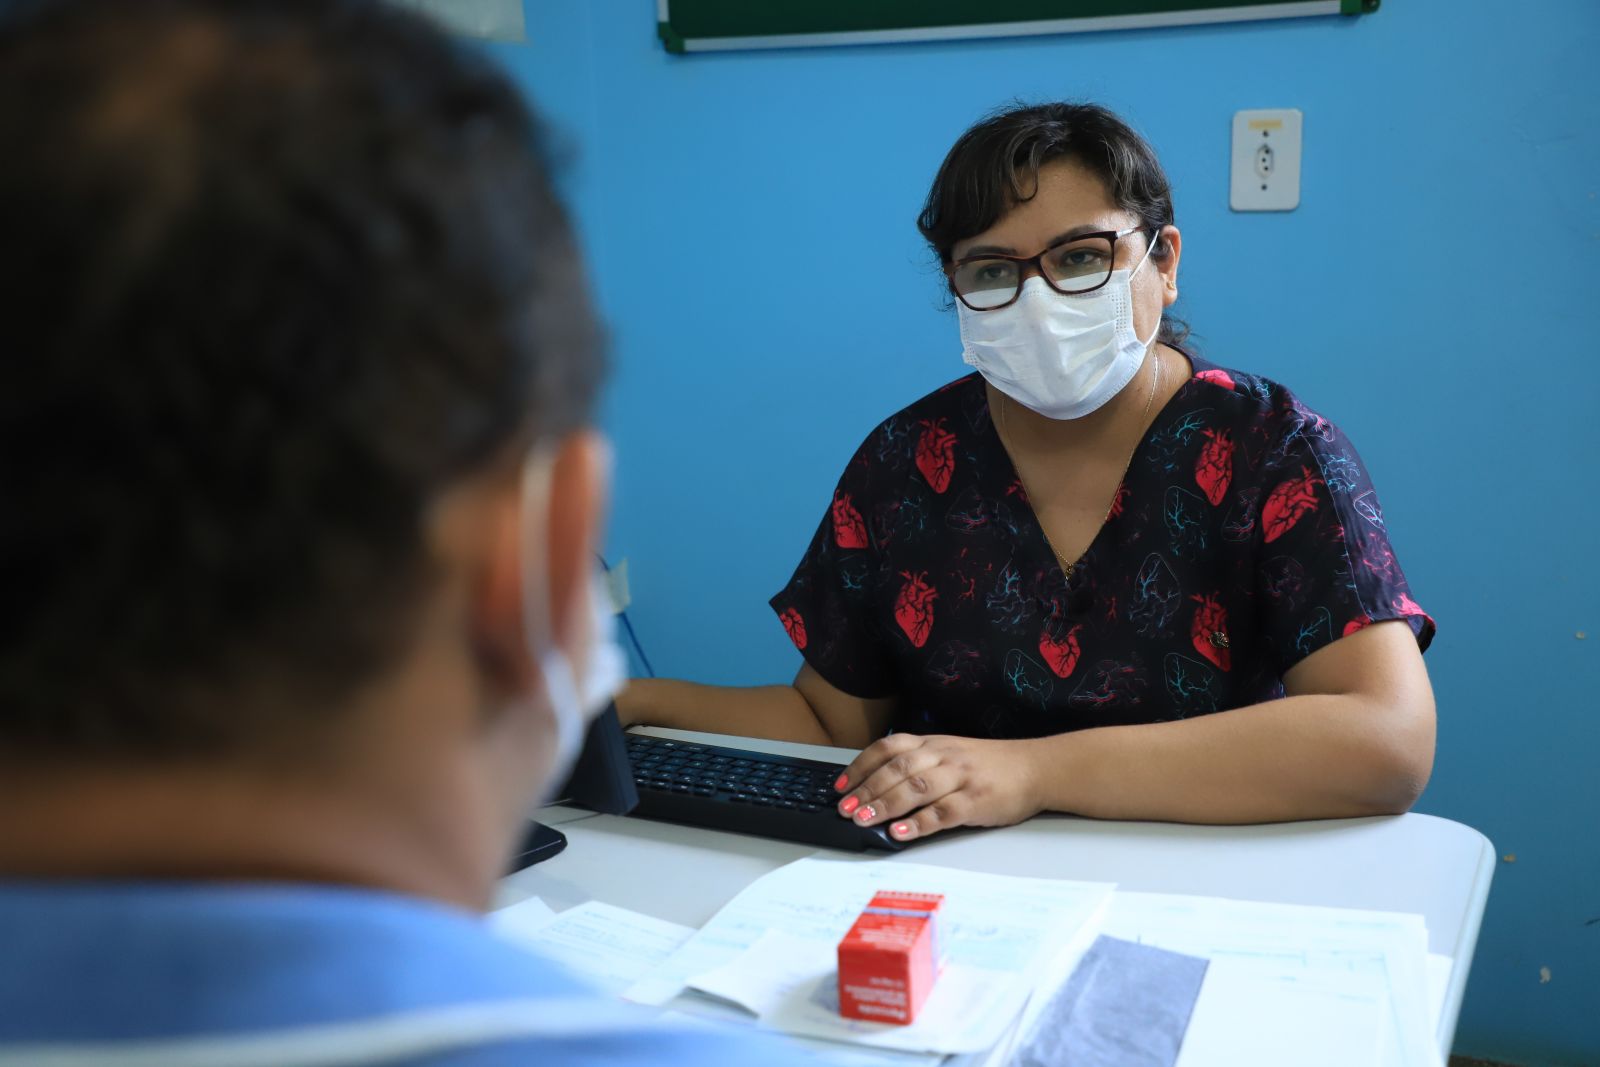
749, 223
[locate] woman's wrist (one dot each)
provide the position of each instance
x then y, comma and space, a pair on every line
1053, 772
633, 703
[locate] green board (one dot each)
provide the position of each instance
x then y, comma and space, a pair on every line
720, 25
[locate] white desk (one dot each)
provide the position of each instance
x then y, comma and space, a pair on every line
1412, 863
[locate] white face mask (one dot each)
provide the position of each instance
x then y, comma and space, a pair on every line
1063, 356
576, 697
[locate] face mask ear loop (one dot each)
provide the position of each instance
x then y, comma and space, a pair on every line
559, 685
536, 620
1149, 248
575, 694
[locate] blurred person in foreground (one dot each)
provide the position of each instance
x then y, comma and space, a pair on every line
298, 499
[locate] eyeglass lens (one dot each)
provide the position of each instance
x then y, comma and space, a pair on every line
1072, 267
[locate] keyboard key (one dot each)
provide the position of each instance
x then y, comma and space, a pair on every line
740, 798
704, 791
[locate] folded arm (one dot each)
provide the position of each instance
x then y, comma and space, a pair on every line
1354, 736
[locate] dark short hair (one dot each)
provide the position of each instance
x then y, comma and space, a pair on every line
994, 166
273, 275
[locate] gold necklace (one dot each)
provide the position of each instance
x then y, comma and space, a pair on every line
1067, 567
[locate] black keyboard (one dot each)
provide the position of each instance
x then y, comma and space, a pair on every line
747, 792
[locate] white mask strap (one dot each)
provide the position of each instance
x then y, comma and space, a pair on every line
575, 693
1149, 248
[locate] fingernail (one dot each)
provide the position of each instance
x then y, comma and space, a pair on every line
866, 814
849, 804
901, 829
842, 784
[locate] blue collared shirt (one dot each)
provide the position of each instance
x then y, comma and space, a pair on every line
95, 974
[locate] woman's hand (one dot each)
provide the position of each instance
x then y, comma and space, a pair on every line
921, 785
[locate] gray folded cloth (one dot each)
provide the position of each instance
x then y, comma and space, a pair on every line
1126, 1005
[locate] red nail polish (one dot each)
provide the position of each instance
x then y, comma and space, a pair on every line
866, 814
842, 784
901, 829
849, 804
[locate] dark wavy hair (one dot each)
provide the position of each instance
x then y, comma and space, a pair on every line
275, 274
994, 166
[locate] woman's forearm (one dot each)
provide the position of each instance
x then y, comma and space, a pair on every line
1304, 757
776, 712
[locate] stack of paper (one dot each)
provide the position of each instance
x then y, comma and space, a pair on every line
609, 947
772, 950
1294, 984
1284, 983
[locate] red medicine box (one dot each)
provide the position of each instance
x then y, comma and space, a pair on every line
890, 958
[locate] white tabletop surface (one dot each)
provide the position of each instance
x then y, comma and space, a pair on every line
1410, 863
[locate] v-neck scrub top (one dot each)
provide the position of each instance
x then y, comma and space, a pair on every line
1246, 535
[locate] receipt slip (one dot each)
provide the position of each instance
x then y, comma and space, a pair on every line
890, 958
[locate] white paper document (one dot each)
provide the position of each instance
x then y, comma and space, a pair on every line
1310, 962
791, 984
1000, 933
521, 920
777, 968
833, 1053
1439, 970
607, 946
1247, 1016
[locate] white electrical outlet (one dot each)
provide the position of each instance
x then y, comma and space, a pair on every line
1266, 160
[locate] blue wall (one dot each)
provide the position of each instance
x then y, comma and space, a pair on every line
1432, 294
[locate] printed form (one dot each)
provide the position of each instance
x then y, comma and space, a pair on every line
1001, 935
